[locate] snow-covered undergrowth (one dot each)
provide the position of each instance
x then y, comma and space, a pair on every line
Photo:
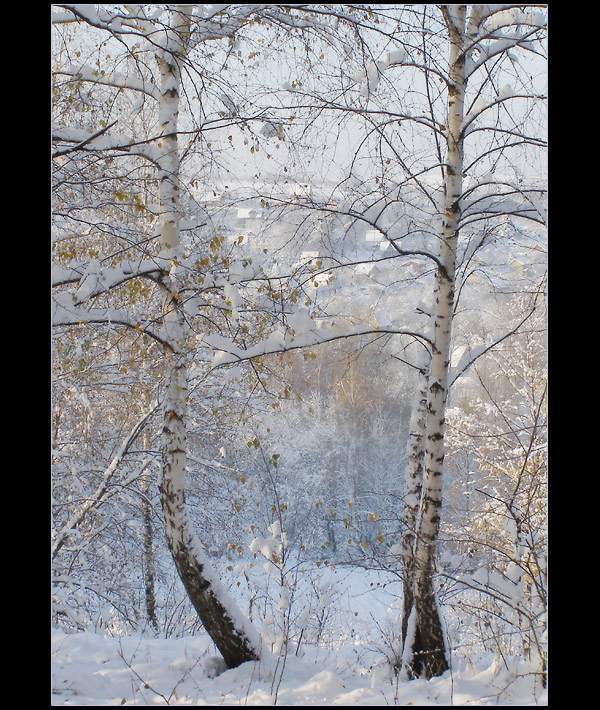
339, 660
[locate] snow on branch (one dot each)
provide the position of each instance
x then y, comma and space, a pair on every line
65, 313
488, 50
133, 19
223, 21
84, 140
94, 280
495, 17
92, 14
280, 341
369, 76
116, 79
64, 275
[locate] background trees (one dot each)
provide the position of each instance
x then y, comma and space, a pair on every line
384, 191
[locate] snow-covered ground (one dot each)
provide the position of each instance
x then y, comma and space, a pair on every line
348, 668
89, 669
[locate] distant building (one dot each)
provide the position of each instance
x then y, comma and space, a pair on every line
307, 256
369, 270
373, 235
248, 213
302, 191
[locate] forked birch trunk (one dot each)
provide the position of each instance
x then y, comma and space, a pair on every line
424, 652
230, 631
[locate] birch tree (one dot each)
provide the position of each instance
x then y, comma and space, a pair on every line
452, 116
423, 635
167, 36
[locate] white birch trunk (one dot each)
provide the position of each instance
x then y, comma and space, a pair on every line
231, 633
413, 482
428, 657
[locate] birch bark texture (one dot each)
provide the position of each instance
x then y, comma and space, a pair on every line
230, 631
413, 483
424, 648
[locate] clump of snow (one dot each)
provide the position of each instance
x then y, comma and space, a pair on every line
506, 92
233, 296
300, 321
369, 76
